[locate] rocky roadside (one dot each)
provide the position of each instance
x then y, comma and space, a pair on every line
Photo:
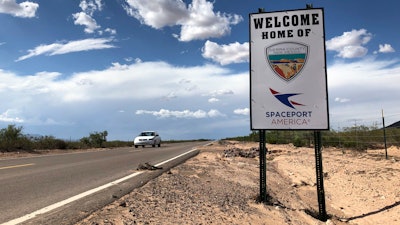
219, 186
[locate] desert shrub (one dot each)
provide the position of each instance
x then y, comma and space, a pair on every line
50, 142
298, 141
95, 139
357, 137
12, 139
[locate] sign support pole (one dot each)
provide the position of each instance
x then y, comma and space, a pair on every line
384, 135
263, 167
320, 176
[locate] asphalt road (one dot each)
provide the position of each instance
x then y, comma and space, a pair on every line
35, 183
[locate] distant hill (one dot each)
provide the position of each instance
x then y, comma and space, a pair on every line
394, 125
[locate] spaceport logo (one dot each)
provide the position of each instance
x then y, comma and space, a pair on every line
284, 98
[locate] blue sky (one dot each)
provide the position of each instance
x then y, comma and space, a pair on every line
69, 68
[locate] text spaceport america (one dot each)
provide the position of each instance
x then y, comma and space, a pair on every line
289, 118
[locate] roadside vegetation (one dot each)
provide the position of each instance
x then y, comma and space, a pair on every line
12, 139
358, 137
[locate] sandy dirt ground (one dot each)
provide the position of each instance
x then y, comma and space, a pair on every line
217, 187
361, 187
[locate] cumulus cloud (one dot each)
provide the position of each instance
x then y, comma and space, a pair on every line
198, 21
244, 111
386, 48
226, 54
341, 100
25, 9
186, 114
212, 100
350, 44
110, 31
205, 23
220, 92
50, 100
10, 116
81, 18
370, 85
68, 47
91, 6
86, 17
157, 14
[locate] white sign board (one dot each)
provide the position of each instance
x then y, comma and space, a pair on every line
288, 84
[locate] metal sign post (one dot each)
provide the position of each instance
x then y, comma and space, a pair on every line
320, 176
384, 135
263, 168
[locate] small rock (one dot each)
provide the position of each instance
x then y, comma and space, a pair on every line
123, 204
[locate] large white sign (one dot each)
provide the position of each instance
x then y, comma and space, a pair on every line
288, 85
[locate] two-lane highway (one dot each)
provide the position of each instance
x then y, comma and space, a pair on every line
33, 183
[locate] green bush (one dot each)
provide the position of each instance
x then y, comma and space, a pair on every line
358, 138
49, 142
95, 140
298, 141
12, 139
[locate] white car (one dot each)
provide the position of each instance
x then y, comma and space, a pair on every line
147, 138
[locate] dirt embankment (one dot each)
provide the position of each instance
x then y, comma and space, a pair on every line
221, 186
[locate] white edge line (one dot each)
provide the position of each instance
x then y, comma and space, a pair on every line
168, 160
84, 194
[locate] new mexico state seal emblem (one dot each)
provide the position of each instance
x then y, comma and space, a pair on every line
287, 59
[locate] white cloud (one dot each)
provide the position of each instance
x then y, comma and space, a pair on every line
213, 113
341, 100
198, 21
386, 48
10, 116
90, 6
204, 23
86, 17
220, 92
244, 111
350, 44
186, 114
90, 101
370, 84
213, 100
68, 47
110, 31
81, 18
226, 54
25, 9
81, 103
157, 14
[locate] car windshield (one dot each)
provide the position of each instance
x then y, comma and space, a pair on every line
147, 134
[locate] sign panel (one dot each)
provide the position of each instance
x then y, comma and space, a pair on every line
288, 84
